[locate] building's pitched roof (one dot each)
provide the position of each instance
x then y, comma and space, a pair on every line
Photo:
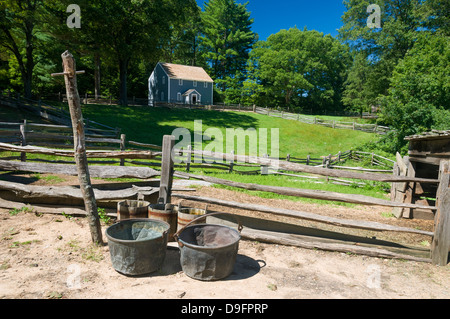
190, 91
429, 135
185, 72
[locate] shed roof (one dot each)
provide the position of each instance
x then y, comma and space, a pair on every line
186, 72
434, 134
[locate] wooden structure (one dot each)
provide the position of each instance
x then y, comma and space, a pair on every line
426, 151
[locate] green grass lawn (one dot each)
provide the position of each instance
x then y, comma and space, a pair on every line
149, 125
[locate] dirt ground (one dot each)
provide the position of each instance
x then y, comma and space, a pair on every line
51, 256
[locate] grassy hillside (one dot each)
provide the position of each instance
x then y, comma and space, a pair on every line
148, 125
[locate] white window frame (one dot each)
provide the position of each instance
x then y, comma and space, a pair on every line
163, 80
205, 85
179, 97
194, 84
180, 82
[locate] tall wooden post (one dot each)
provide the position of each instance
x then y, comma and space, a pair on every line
441, 240
122, 148
23, 140
165, 187
87, 191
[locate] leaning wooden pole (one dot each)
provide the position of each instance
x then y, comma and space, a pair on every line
69, 67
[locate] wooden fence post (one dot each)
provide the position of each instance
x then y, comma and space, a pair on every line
165, 187
231, 162
122, 148
265, 168
441, 241
188, 158
87, 191
23, 140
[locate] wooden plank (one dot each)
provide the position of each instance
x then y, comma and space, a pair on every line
145, 145
68, 192
314, 242
296, 167
166, 170
440, 246
100, 171
400, 188
305, 215
316, 194
91, 154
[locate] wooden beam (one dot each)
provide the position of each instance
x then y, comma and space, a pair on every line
89, 154
305, 215
440, 246
316, 194
300, 241
47, 209
67, 192
165, 189
100, 171
296, 167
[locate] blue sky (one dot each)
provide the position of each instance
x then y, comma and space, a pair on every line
270, 16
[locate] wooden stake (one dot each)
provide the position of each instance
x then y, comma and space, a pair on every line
87, 191
165, 188
441, 242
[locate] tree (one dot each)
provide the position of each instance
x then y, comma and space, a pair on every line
226, 40
302, 69
18, 20
417, 100
183, 45
126, 31
383, 47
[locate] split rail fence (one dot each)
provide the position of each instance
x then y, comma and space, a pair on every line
440, 236
352, 125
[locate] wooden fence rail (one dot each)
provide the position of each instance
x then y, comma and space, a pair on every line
52, 113
353, 125
439, 252
369, 128
439, 249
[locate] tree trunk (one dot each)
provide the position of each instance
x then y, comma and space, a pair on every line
79, 147
123, 69
97, 75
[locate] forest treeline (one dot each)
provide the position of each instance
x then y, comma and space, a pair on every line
401, 68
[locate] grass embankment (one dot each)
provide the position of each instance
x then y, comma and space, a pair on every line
148, 125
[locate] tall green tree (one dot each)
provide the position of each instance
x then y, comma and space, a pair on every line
418, 99
127, 31
226, 40
18, 28
303, 69
183, 45
383, 47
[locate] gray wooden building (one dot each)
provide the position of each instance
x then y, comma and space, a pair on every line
425, 153
175, 83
